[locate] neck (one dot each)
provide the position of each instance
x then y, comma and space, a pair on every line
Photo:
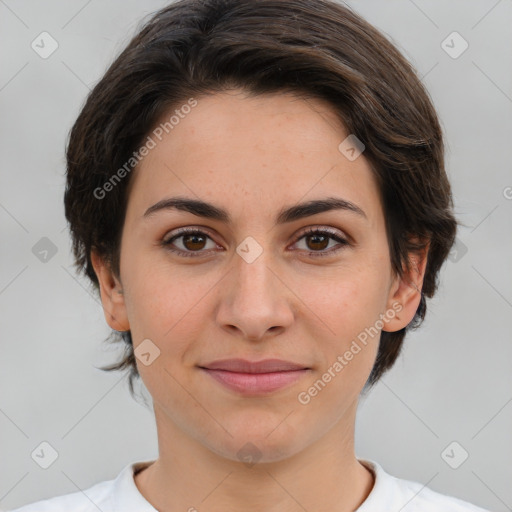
187, 476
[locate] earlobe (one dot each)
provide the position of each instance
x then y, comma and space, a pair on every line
405, 292
112, 295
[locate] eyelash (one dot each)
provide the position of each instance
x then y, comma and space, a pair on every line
310, 231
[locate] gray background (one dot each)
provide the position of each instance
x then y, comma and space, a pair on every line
453, 381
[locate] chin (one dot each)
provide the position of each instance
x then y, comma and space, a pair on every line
250, 452
259, 444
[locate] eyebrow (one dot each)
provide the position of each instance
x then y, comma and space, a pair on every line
285, 215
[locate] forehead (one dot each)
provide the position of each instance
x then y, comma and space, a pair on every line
252, 155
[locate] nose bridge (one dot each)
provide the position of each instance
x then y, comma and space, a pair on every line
253, 280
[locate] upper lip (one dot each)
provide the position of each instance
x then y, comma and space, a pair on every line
244, 366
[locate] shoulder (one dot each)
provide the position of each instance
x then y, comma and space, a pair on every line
416, 497
93, 499
117, 495
409, 496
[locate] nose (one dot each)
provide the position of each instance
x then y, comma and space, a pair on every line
255, 301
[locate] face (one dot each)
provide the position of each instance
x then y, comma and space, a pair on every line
252, 283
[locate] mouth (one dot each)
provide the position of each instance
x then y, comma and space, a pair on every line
255, 377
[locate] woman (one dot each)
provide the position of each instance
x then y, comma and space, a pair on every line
257, 190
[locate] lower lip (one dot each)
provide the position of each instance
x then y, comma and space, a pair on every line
256, 383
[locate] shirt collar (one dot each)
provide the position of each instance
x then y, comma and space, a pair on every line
382, 490
127, 497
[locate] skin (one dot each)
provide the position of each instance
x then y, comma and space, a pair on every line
253, 156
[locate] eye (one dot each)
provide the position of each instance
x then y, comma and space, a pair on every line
319, 239
193, 241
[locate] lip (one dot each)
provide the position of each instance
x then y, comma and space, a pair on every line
255, 377
245, 366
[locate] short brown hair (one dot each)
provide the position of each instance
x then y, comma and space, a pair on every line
318, 49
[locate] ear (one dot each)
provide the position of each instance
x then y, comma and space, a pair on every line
112, 297
405, 292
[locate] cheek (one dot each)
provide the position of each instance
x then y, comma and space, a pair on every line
349, 295
166, 303
350, 305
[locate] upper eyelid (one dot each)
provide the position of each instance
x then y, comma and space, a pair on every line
334, 232
185, 231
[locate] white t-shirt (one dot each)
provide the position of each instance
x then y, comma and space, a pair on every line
389, 494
